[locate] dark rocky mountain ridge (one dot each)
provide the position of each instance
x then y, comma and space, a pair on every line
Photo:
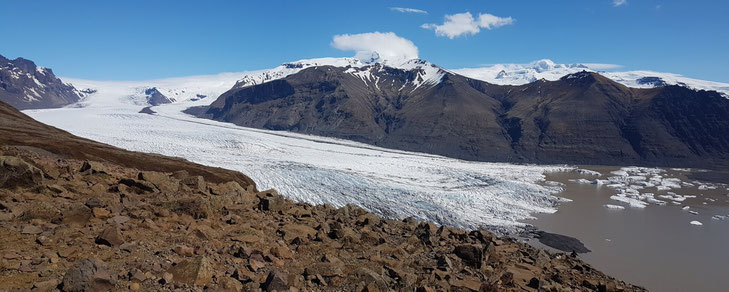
27, 86
583, 118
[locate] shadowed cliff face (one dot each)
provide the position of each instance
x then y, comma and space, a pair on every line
26, 86
582, 118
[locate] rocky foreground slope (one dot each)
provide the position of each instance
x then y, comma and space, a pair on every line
77, 221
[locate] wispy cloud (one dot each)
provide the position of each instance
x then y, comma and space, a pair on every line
387, 45
456, 25
617, 3
408, 10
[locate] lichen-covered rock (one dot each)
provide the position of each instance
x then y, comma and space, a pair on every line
88, 275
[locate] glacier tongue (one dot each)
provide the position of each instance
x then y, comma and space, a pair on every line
317, 170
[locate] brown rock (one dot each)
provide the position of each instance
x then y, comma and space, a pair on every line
88, 275
243, 275
270, 201
195, 183
110, 236
228, 284
230, 188
196, 271
101, 213
90, 167
471, 255
468, 283
293, 231
160, 180
185, 251
31, 229
142, 186
282, 252
134, 286
324, 269
45, 286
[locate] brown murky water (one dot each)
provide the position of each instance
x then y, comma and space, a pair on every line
654, 247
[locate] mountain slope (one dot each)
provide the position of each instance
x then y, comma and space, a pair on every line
27, 86
581, 118
17, 129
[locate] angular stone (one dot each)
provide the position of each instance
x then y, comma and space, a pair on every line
292, 231
88, 275
110, 236
185, 251
15, 172
276, 281
31, 229
90, 167
160, 180
282, 252
471, 284
324, 269
196, 271
144, 186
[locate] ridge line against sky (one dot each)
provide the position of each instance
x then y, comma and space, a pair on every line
140, 40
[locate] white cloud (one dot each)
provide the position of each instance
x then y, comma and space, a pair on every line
388, 45
617, 3
408, 10
464, 24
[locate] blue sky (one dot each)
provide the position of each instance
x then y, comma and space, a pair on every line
134, 40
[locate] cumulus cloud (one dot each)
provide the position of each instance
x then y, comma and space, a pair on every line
617, 3
465, 24
388, 45
408, 10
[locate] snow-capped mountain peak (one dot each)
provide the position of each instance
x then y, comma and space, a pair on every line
428, 73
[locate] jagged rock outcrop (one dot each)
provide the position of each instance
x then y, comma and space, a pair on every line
154, 97
27, 86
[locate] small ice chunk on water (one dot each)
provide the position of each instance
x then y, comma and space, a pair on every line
697, 223
718, 217
616, 207
694, 212
655, 201
685, 208
581, 181
553, 183
632, 202
620, 172
587, 172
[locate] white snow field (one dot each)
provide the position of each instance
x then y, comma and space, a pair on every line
518, 74
317, 170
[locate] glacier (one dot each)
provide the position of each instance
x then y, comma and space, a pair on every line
319, 170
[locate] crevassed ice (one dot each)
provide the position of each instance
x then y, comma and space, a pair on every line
319, 170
